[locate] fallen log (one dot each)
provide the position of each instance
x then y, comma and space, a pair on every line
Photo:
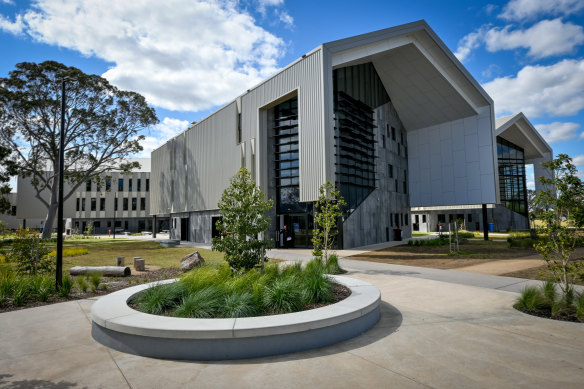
111, 271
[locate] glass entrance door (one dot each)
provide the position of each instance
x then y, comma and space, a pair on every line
296, 230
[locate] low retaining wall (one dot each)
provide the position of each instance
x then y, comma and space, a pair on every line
116, 325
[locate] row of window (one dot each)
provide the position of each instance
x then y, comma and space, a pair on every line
398, 219
108, 185
405, 181
80, 206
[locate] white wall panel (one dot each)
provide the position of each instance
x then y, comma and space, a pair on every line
461, 162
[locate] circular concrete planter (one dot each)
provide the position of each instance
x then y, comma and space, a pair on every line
116, 325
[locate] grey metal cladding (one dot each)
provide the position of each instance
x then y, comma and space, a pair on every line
160, 180
305, 76
212, 156
179, 174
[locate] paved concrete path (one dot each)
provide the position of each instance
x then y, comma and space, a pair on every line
440, 333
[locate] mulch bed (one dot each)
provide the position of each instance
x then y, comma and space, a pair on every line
113, 284
547, 314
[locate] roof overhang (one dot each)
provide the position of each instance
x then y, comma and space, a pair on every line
518, 130
423, 78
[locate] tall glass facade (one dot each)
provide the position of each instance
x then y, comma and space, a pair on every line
357, 92
512, 176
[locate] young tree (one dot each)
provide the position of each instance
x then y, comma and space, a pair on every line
243, 207
101, 127
561, 199
327, 211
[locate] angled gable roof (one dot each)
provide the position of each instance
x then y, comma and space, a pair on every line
518, 130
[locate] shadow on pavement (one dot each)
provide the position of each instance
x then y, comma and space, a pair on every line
28, 384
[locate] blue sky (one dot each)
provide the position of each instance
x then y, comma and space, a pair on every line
190, 56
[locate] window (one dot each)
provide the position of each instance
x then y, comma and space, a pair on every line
134, 203
83, 204
396, 188
423, 218
441, 218
470, 217
108, 184
450, 218
399, 150
129, 185
383, 140
97, 224
402, 138
126, 225
93, 204
102, 204
391, 219
143, 203
406, 219
77, 205
396, 220
238, 127
148, 185
405, 187
115, 204
109, 223
139, 185
387, 131
401, 217
125, 204
390, 170
13, 211
392, 133
120, 184
88, 186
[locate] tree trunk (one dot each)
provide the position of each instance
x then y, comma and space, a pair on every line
112, 271
49, 220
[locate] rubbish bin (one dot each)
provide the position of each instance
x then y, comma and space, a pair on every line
397, 234
491, 227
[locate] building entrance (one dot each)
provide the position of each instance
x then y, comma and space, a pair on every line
295, 230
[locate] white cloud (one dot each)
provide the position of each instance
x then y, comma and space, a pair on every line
12, 27
543, 39
11, 2
578, 160
160, 134
180, 54
558, 131
286, 19
554, 90
263, 4
469, 43
530, 9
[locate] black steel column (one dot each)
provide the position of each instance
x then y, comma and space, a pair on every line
154, 226
59, 271
485, 222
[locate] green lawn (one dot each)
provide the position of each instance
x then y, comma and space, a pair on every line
105, 253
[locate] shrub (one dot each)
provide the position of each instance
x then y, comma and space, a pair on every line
204, 303
316, 287
42, 287
30, 254
94, 280
159, 298
21, 291
531, 299
283, 296
579, 303
70, 252
66, 287
239, 305
82, 283
332, 265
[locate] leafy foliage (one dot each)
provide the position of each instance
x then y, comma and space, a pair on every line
101, 127
561, 199
546, 301
243, 207
327, 211
30, 253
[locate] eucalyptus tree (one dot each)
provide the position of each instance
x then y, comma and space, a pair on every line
102, 126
